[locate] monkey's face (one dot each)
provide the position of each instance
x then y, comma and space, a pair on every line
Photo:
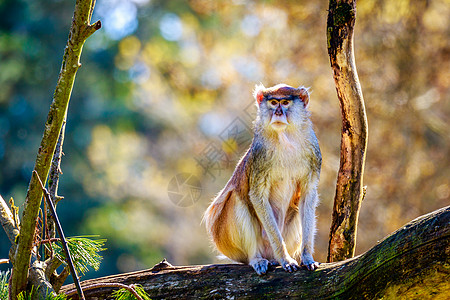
278, 108
281, 113
281, 108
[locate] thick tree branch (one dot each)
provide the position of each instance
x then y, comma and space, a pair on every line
412, 262
79, 32
38, 279
349, 187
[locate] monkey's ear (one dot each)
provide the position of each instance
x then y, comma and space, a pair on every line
304, 95
258, 93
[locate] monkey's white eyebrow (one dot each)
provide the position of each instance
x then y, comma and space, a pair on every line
283, 98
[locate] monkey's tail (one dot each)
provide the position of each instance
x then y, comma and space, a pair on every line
215, 209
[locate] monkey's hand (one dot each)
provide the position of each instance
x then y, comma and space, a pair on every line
289, 264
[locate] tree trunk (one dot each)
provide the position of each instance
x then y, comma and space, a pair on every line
349, 187
413, 262
80, 30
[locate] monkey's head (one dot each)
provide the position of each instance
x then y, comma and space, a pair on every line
281, 106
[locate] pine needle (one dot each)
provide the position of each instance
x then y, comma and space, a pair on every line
4, 277
29, 296
84, 251
25, 295
124, 294
57, 297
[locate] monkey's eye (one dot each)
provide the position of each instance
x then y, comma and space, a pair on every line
273, 103
285, 103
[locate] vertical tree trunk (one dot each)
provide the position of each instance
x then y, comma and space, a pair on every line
81, 29
349, 187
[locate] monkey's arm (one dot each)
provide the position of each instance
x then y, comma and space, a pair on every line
307, 211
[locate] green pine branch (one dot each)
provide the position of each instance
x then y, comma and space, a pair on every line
84, 251
125, 294
4, 277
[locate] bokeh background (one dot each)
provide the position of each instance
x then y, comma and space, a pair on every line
161, 111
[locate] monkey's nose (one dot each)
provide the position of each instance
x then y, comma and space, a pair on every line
278, 111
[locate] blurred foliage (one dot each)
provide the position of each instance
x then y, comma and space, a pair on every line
165, 89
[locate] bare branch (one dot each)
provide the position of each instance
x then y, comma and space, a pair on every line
7, 221
53, 182
58, 280
62, 237
53, 263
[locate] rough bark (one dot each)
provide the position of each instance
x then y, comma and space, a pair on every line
80, 30
349, 187
412, 263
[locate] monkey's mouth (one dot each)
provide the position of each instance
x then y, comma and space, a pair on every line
278, 125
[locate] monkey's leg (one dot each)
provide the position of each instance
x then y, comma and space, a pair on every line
308, 217
248, 237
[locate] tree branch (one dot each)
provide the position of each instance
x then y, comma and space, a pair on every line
349, 187
58, 280
38, 279
53, 182
412, 261
79, 32
7, 221
53, 263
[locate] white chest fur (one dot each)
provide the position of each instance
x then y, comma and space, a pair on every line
290, 170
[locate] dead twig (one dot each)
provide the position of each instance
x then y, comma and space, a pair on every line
63, 239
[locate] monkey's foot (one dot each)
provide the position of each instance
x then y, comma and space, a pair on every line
260, 265
289, 264
311, 265
273, 263
308, 261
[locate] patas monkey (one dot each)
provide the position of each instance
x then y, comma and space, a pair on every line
266, 212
